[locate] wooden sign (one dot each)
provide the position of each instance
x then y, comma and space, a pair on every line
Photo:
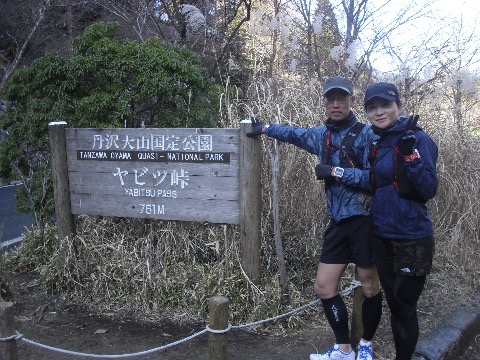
170, 174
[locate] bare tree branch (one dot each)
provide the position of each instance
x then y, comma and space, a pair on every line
40, 15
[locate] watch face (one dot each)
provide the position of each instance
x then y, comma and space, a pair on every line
338, 172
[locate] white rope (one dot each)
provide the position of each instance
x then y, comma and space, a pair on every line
345, 292
276, 317
112, 356
13, 337
229, 326
354, 284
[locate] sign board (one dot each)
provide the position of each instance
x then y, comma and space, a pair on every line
169, 174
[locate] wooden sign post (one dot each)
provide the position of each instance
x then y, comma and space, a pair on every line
196, 174
64, 217
250, 203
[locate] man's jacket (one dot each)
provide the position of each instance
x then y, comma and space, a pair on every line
350, 195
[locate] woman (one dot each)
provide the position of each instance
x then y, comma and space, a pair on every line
403, 172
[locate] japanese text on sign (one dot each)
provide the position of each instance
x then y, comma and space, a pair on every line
144, 176
153, 142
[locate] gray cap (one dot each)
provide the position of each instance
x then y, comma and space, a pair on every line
338, 82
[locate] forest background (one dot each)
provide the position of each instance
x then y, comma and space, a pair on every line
143, 63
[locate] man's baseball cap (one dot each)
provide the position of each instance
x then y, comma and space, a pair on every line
338, 82
382, 90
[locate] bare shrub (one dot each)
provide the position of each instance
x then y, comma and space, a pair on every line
455, 212
302, 205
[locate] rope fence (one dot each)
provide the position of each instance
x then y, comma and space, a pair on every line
218, 303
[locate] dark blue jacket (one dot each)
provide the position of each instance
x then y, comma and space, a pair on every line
352, 194
394, 216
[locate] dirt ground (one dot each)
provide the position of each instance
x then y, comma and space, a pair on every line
52, 321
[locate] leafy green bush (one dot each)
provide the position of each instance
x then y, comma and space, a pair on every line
108, 82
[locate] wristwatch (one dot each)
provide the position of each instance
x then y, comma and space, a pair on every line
338, 172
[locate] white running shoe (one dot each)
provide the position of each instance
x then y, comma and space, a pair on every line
365, 351
334, 353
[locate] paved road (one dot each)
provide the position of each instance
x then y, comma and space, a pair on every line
12, 224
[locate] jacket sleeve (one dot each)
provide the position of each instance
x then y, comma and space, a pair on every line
422, 172
307, 139
360, 177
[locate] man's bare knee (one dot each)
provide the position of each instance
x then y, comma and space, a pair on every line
370, 281
323, 291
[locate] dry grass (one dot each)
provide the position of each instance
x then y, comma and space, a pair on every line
155, 268
454, 210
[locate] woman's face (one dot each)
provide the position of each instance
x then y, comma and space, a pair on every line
382, 113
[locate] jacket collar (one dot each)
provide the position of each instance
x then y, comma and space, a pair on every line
342, 124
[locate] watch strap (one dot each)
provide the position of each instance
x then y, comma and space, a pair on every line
412, 157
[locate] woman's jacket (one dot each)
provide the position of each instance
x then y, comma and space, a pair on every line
402, 188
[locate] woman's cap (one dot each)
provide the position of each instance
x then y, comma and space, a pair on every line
382, 90
338, 82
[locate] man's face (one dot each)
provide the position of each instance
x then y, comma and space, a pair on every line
338, 104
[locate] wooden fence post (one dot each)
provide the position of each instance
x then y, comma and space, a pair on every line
218, 320
63, 212
8, 349
250, 202
356, 330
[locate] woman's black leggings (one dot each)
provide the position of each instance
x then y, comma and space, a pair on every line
402, 294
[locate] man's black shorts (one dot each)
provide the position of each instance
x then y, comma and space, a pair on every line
348, 241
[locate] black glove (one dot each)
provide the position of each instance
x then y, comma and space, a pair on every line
323, 172
257, 127
406, 143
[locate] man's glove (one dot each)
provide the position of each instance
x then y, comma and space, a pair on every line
406, 143
257, 127
323, 172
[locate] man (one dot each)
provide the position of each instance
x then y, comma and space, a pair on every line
342, 148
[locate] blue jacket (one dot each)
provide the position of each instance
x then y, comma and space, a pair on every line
394, 216
352, 194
